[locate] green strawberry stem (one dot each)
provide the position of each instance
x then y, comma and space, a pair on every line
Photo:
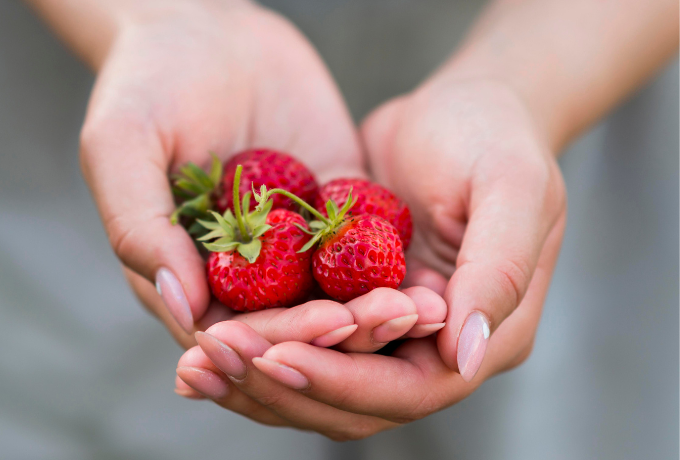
195, 187
237, 205
320, 228
240, 232
299, 201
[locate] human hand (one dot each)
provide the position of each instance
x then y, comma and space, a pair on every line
489, 207
495, 209
179, 80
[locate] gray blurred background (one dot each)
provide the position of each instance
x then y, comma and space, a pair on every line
85, 373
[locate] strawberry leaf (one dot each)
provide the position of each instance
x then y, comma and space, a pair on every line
250, 250
261, 230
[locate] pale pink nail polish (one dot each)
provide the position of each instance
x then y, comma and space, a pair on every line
394, 328
172, 293
204, 381
472, 344
189, 394
222, 355
335, 337
282, 373
423, 330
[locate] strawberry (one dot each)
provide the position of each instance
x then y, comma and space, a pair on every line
371, 198
356, 254
271, 168
202, 192
254, 262
363, 253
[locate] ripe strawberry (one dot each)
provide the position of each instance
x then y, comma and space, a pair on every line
255, 263
202, 192
356, 254
271, 168
371, 198
363, 253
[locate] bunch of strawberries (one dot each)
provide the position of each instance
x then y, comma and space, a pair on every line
350, 240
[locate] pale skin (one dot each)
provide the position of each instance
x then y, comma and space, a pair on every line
177, 79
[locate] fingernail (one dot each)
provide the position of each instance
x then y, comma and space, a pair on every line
204, 381
423, 330
189, 394
222, 355
472, 344
282, 373
394, 328
335, 337
172, 293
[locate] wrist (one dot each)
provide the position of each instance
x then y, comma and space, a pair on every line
91, 27
532, 95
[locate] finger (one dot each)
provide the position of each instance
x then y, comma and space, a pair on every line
185, 391
512, 342
232, 349
196, 372
323, 323
418, 274
510, 221
431, 310
149, 297
389, 387
382, 315
125, 164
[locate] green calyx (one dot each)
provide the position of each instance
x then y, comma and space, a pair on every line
321, 227
240, 231
195, 187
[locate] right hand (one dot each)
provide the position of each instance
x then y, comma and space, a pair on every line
177, 82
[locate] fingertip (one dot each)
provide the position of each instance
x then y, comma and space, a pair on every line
380, 305
194, 356
431, 306
185, 391
419, 331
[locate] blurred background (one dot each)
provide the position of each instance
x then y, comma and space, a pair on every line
85, 373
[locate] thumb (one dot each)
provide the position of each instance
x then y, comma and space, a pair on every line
509, 224
125, 166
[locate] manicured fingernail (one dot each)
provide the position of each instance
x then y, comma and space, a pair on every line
394, 328
282, 373
222, 355
472, 344
335, 337
423, 330
172, 293
204, 381
189, 394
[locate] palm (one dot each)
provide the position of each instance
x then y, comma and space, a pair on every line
241, 81
172, 91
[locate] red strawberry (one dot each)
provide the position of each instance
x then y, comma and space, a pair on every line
279, 277
363, 253
201, 192
255, 263
271, 168
371, 198
356, 254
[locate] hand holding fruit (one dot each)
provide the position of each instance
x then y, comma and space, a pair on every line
212, 93
496, 215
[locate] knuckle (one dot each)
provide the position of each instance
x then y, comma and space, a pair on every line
512, 277
424, 407
120, 236
270, 401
